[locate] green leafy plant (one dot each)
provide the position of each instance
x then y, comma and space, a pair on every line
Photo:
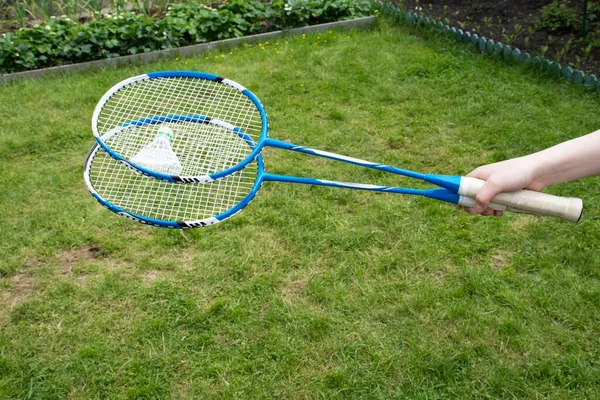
20, 13
300, 13
510, 38
527, 40
462, 24
587, 50
63, 41
560, 54
118, 5
557, 17
488, 22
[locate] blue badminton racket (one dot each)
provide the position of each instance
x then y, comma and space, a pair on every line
212, 128
164, 204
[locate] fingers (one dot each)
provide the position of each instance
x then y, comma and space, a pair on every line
485, 195
486, 212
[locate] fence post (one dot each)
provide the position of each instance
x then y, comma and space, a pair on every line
584, 19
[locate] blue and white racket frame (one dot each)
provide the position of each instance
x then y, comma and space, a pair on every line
100, 139
161, 223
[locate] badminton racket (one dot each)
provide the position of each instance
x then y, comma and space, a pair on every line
167, 205
164, 204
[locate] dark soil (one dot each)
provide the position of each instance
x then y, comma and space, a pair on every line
513, 22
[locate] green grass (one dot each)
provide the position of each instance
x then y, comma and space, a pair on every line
310, 292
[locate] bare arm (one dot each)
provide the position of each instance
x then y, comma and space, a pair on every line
574, 159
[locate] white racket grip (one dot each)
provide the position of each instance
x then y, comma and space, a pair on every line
528, 201
469, 202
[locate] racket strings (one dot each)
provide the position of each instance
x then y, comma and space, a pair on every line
202, 148
166, 201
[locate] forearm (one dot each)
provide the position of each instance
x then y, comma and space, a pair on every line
575, 159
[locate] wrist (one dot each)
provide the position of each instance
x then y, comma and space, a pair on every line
537, 165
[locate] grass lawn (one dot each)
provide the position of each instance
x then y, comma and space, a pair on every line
309, 292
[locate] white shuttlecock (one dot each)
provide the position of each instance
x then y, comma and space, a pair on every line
158, 156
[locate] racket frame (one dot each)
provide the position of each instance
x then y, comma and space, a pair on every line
101, 139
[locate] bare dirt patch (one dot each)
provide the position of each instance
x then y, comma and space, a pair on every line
21, 285
71, 257
149, 277
292, 290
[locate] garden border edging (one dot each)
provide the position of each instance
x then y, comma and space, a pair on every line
488, 46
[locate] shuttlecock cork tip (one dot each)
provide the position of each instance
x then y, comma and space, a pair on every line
165, 130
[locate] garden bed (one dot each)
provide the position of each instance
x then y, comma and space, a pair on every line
63, 40
554, 33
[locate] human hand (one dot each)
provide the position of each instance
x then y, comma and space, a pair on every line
505, 176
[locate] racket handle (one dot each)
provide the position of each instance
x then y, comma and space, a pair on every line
469, 202
528, 201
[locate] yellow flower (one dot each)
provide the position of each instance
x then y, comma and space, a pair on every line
330, 32
231, 52
266, 42
176, 58
260, 44
222, 55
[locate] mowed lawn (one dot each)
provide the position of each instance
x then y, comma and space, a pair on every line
309, 292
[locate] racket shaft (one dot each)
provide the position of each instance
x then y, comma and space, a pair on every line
525, 201
350, 160
451, 183
437, 194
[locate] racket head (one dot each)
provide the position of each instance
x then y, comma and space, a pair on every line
128, 115
130, 194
